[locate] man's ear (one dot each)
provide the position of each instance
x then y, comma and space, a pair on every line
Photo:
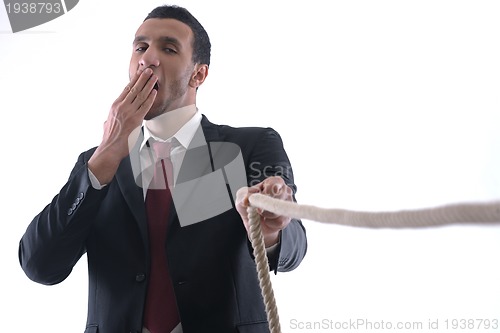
199, 75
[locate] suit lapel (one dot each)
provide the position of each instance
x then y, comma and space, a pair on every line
210, 130
129, 181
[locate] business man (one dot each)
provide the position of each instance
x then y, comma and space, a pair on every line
173, 257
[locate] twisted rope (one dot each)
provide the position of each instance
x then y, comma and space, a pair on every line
259, 252
466, 213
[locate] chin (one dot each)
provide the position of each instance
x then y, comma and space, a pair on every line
155, 111
150, 115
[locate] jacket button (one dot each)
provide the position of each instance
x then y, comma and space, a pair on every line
80, 196
140, 277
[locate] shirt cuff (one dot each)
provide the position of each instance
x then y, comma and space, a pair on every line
94, 181
271, 250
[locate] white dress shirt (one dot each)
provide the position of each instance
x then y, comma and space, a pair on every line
180, 140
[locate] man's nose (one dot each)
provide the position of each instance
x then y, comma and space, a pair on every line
149, 58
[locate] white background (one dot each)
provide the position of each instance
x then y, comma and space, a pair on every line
382, 105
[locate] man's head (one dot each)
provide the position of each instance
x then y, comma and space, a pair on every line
201, 42
176, 47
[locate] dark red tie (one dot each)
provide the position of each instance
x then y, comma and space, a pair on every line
160, 313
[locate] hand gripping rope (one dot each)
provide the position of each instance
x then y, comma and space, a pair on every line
467, 213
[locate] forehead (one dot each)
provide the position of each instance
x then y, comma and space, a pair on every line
157, 29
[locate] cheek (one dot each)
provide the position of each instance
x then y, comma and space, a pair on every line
133, 67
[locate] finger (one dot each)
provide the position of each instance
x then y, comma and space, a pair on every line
139, 86
241, 196
253, 189
274, 187
146, 106
288, 193
143, 94
280, 191
129, 86
277, 223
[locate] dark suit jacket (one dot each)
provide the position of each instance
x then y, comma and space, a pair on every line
211, 262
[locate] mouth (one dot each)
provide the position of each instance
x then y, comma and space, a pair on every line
156, 86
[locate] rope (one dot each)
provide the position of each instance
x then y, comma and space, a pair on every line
259, 252
467, 213
428, 217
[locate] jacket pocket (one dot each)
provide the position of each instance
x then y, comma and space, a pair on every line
261, 327
92, 329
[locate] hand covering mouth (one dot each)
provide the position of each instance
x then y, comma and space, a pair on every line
156, 86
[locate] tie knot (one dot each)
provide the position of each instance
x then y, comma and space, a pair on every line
161, 149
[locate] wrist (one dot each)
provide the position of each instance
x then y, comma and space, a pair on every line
103, 165
271, 239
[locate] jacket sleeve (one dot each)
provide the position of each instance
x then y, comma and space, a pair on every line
55, 240
268, 158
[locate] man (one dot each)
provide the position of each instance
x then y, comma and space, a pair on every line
192, 271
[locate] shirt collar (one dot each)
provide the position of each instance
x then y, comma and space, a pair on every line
183, 122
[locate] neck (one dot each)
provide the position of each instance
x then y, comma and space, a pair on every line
166, 125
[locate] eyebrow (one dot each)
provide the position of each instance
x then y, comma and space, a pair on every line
165, 39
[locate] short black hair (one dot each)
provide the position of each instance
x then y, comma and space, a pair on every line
201, 42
